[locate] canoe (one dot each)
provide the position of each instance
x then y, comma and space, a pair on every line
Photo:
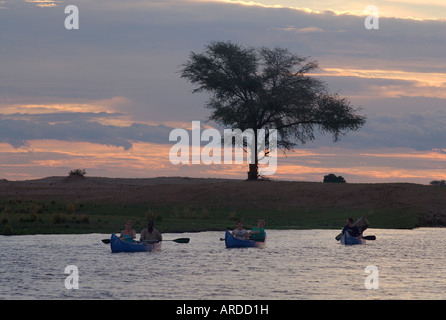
233, 242
117, 245
347, 239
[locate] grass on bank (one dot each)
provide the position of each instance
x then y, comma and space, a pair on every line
19, 216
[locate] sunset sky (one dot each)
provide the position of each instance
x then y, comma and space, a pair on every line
106, 96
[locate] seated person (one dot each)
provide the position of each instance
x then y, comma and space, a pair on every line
150, 234
258, 233
128, 234
351, 229
240, 232
363, 227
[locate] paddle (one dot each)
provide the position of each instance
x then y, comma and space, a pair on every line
369, 237
179, 240
339, 236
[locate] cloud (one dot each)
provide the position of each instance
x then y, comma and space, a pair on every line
421, 131
408, 9
44, 3
302, 30
18, 129
113, 81
133, 49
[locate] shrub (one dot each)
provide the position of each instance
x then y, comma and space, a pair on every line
80, 173
59, 218
81, 218
234, 216
70, 208
32, 217
153, 216
437, 183
332, 178
38, 208
8, 230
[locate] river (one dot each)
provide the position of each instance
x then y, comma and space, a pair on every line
294, 265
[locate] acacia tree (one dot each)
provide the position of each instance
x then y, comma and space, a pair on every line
255, 88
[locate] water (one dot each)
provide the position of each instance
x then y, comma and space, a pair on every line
296, 264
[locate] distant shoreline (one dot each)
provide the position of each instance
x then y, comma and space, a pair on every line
55, 205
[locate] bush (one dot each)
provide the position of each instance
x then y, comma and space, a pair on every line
80, 173
70, 208
32, 217
332, 178
81, 218
437, 183
59, 218
7, 231
152, 216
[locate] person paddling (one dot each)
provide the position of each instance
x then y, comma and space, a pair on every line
258, 233
351, 228
356, 229
362, 227
150, 233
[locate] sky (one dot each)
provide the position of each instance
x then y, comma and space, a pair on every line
106, 96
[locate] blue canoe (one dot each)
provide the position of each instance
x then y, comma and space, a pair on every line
233, 242
347, 239
117, 245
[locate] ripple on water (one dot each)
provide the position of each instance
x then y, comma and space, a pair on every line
296, 264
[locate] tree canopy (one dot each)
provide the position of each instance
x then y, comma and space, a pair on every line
263, 88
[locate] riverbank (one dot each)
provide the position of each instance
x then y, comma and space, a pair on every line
102, 205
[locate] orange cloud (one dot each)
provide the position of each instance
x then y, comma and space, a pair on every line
52, 157
44, 3
63, 105
424, 78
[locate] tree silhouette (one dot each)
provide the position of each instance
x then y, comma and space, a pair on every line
255, 88
332, 178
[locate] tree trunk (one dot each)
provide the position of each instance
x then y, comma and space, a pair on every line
253, 172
